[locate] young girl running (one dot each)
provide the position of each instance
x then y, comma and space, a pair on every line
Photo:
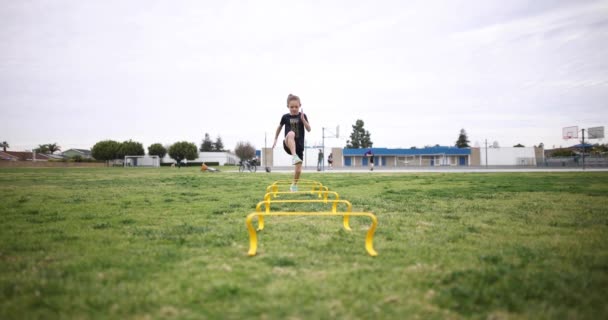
295, 122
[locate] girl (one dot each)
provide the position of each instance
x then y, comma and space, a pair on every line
295, 122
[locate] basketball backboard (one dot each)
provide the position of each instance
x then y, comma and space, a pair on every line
570, 133
595, 133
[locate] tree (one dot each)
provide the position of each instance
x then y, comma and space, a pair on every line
219, 144
562, 153
106, 150
47, 148
519, 145
463, 140
495, 144
157, 149
541, 145
244, 150
360, 138
131, 148
53, 147
4, 145
599, 148
207, 144
42, 148
183, 150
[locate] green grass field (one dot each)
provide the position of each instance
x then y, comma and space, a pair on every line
165, 243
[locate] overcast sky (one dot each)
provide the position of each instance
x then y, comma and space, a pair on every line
77, 72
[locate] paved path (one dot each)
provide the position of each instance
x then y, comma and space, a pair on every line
441, 170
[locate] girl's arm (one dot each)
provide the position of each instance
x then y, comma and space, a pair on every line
276, 136
305, 122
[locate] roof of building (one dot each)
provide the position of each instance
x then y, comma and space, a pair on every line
580, 145
83, 151
25, 155
7, 156
439, 150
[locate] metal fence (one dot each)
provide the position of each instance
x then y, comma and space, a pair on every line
575, 161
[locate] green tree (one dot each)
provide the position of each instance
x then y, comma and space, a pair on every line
42, 148
219, 144
131, 148
4, 145
157, 149
359, 138
463, 140
183, 150
207, 144
562, 153
244, 150
106, 150
599, 148
519, 145
53, 147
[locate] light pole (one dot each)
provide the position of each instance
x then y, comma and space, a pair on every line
332, 135
486, 153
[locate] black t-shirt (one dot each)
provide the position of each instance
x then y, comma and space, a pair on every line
293, 123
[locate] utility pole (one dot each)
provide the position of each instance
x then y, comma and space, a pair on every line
334, 135
583, 149
323, 144
486, 153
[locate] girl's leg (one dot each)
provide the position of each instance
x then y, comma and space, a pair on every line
290, 140
296, 175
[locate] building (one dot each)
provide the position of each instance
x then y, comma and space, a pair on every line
23, 156
395, 158
222, 158
437, 156
511, 156
83, 153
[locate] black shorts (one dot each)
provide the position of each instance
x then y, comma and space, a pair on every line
299, 149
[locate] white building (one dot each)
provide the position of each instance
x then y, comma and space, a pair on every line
220, 157
509, 156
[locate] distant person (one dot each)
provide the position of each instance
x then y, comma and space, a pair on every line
204, 168
330, 160
295, 122
320, 160
370, 154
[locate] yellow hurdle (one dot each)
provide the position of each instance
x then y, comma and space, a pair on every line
369, 238
272, 191
314, 185
334, 209
299, 180
324, 194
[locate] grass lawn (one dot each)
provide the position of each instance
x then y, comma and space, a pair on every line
115, 243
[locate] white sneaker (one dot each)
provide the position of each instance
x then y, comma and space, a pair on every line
295, 160
293, 188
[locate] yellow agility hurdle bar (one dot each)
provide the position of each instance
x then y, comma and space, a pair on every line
324, 194
334, 209
369, 238
314, 185
299, 180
